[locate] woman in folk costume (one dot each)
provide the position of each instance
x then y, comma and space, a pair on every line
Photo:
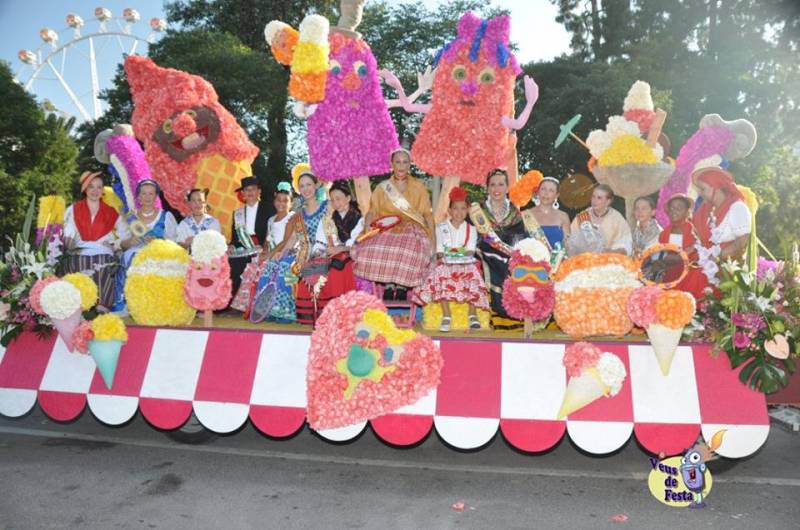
197, 221
275, 228
336, 235
681, 232
287, 259
398, 256
501, 226
90, 230
647, 230
723, 221
600, 228
456, 278
150, 223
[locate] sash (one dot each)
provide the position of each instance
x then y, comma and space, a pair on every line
484, 228
400, 202
533, 228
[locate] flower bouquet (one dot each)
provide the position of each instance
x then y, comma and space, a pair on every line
593, 374
755, 320
663, 314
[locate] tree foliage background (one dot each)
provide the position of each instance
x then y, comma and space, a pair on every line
737, 58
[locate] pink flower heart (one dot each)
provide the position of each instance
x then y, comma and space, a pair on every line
778, 348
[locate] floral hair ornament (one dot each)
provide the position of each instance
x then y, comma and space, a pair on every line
284, 187
297, 171
458, 194
86, 177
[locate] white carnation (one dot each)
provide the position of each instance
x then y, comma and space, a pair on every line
603, 277
314, 28
272, 29
598, 141
60, 299
612, 372
639, 97
534, 249
208, 245
618, 126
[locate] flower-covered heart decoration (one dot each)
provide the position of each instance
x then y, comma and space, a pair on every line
361, 366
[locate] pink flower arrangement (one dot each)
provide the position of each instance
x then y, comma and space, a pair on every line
579, 356
415, 373
643, 117
34, 297
529, 298
351, 133
642, 305
82, 336
706, 142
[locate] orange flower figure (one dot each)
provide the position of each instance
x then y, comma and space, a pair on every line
190, 139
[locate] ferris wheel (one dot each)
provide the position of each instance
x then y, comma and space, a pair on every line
72, 58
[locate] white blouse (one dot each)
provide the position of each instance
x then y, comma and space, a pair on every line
190, 228
737, 223
448, 236
104, 245
276, 229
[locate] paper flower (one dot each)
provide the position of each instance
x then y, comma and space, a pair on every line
361, 366
592, 292
208, 245
579, 356
628, 149
34, 296
60, 299
473, 88
598, 141
282, 39
612, 372
533, 249
86, 287
154, 286
129, 162
309, 70
82, 336
528, 291
109, 327
642, 305
208, 283
51, 211
675, 309
638, 97
523, 190
707, 141
190, 140
593, 374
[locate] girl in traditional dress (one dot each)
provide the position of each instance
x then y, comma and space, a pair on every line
647, 229
681, 232
398, 257
554, 222
505, 222
90, 230
150, 223
456, 277
286, 260
336, 235
276, 229
197, 221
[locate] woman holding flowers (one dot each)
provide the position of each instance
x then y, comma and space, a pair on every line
90, 231
150, 223
398, 256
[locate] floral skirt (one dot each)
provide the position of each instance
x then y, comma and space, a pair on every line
339, 280
461, 283
247, 287
401, 255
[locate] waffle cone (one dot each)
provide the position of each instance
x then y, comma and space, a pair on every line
581, 391
664, 341
222, 178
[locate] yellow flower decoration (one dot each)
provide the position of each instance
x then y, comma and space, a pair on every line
111, 198
298, 170
627, 149
109, 327
86, 287
383, 324
51, 211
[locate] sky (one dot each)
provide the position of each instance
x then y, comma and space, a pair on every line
533, 29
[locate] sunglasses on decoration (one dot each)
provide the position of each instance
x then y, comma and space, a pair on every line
535, 274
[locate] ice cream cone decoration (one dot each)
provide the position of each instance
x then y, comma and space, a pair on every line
109, 335
663, 314
593, 374
67, 326
61, 301
222, 177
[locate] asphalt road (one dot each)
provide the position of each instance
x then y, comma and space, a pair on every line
87, 475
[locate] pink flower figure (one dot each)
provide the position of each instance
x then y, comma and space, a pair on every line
642, 305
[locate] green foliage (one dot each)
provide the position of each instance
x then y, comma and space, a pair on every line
37, 154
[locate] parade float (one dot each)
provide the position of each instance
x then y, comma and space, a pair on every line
590, 376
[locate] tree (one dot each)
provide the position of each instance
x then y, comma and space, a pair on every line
37, 154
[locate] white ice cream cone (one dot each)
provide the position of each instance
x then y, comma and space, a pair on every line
664, 341
67, 326
581, 391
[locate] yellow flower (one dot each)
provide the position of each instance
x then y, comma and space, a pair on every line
384, 325
627, 149
109, 327
51, 211
298, 170
86, 287
111, 198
